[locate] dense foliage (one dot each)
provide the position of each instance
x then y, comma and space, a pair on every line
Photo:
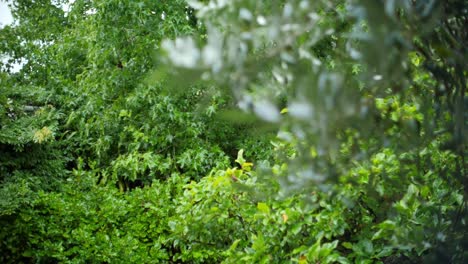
234, 131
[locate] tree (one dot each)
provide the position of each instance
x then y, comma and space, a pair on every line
81, 112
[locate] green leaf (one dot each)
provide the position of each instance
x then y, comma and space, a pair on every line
263, 207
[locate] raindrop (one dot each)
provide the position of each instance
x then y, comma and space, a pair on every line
245, 14
288, 10
261, 20
182, 52
267, 111
302, 110
304, 5
377, 77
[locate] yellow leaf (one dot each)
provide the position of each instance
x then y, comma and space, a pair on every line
285, 218
263, 207
247, 166
303, 260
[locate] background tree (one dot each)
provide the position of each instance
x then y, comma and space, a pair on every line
353, 124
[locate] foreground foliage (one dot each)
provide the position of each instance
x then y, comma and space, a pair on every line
121, 140
214, 220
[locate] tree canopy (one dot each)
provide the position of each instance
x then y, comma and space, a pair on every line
234, 131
